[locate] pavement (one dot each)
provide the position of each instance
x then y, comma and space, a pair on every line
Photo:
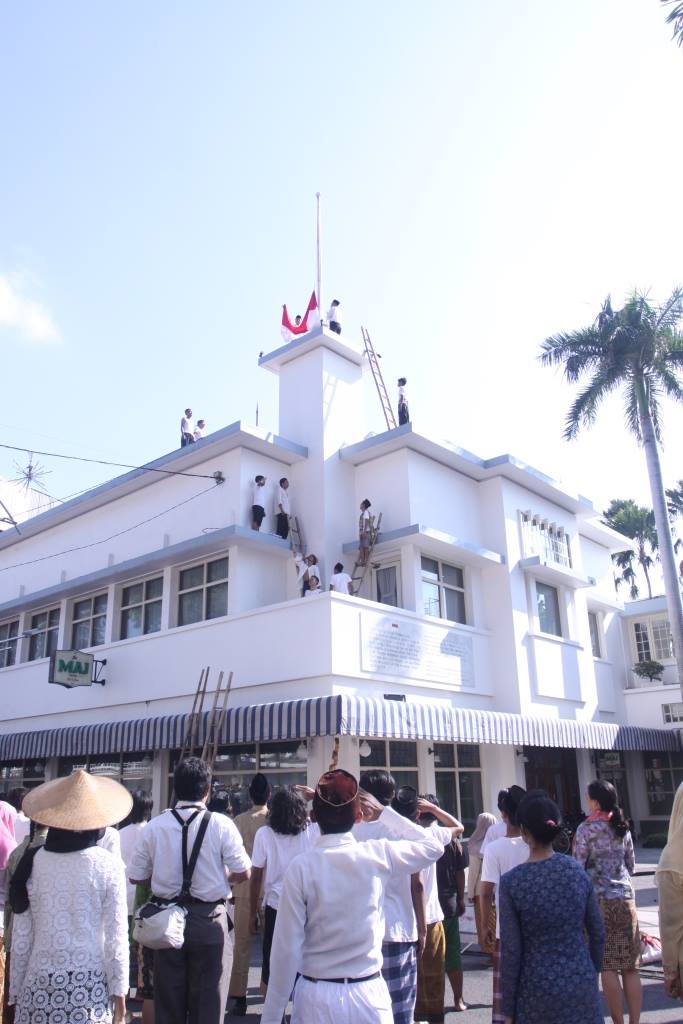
657, 1007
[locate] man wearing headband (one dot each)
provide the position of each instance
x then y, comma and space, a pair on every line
330, 922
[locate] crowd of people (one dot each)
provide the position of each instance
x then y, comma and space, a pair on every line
356, 887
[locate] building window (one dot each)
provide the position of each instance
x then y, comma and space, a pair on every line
548, 608
141, 608
134, 771
663, 775
9, 638
443, 590
89, 618
16, 774
386, 585
399, 757
594, 627
652, 640
458, 781
546, 539
203, 592
43, 634
672, 712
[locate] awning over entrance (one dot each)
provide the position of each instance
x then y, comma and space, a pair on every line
340, 714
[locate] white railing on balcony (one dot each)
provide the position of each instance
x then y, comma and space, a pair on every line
546, 539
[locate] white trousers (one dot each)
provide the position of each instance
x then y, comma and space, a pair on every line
326, 1002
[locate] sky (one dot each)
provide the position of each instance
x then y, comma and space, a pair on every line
489, 173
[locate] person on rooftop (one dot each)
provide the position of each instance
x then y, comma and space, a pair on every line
334, 317
340, 580
186, 429
364, 532
313, 586
403, 411
200, 430
258, 502
282, 508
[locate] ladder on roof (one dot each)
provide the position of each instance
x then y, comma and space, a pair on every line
296, 539
360, 570
214, 722
373, 360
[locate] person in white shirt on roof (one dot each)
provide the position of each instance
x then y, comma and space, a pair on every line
313, 586
334, 317
405, 929
340, 580
287, 834
330, 924
364, 531
194, 979
500, 856
186, 429
258, 502
282, 509
200, 430
403, 412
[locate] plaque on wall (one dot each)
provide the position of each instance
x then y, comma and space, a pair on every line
439, 654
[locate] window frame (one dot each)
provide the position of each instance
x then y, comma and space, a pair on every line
131, 780
49, 630
74, 622
647, 622
541, 537
597, 641
7, 641
204, 587
671, 717
562, 635
457, 770
442, 588
367, 763
394, 564
144, 605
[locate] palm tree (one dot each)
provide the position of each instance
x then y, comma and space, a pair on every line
638, 350
674, 497
638, 523
675, 18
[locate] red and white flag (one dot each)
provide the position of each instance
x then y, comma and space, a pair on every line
310, 321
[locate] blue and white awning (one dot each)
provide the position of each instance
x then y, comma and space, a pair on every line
338, 715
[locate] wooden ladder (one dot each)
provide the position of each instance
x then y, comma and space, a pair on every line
373, 360
296, 540
214, 722
357, 578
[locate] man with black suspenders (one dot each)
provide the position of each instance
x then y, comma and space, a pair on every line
192, 981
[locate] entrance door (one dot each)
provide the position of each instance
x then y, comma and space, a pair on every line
554, 770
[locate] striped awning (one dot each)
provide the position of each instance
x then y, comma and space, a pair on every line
338, 715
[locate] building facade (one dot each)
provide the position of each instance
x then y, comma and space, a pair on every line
485, 646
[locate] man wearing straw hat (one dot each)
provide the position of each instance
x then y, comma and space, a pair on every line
70, 931
192, 982
330, 924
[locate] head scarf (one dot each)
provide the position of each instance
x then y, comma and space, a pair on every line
7, 840
484, 822
672, 854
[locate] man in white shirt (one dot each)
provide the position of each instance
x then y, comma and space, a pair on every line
192, 980
341, 581
405, 928
334, 317
186, 429
282, 509
403, 412
330, 923
200, 430
500, 828
258, 502
313, 586
500, 856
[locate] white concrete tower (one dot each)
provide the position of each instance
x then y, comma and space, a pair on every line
321, 406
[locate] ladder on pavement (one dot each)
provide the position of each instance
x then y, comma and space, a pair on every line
214, 721
296, 539
360, 569
373, 360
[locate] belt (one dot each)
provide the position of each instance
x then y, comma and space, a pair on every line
186, 901
343, 981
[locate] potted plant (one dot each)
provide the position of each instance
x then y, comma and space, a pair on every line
652, 670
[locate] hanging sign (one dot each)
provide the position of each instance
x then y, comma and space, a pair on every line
74, 668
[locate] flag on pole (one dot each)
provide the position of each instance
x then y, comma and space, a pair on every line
310, 321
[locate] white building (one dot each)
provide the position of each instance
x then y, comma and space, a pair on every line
485, 648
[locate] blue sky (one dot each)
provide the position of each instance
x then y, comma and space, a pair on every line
489, 173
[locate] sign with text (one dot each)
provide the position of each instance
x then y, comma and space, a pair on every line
71, 668
439, 654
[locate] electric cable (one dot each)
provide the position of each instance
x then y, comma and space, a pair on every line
104, 462
103, 540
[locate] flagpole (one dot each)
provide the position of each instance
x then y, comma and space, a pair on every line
319, 257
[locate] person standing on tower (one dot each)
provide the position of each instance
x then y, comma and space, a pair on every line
334, 317
403, 412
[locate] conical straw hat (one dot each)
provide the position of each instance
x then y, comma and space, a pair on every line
78, 803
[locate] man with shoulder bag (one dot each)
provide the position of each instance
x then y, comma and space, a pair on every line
183, 855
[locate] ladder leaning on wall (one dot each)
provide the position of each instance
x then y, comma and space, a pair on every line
214, 721
358, 577
373, 360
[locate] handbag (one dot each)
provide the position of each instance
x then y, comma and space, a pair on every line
162, 925
650, 948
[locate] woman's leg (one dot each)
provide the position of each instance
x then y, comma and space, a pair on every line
614, 997
633, 990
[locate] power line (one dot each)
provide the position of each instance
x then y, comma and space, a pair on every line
103, 540
104, 462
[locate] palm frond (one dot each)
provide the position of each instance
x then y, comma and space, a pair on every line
584, 408
577, 351
670, 383
670, 314
675, 18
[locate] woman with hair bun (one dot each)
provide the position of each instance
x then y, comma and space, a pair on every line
549, 974
604, 847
